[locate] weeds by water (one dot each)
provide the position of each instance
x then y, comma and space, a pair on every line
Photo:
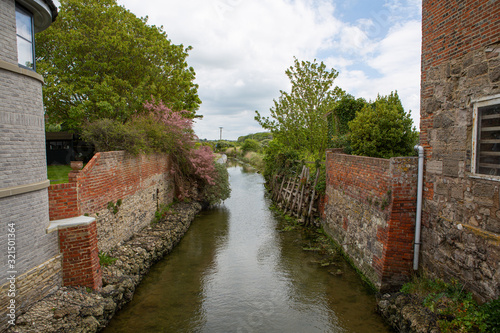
454, 307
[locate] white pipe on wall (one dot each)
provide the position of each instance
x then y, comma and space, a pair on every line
418, 220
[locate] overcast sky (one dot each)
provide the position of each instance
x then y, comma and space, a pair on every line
241, 49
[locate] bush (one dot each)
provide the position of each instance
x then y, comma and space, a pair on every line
109, 135
254, 159
383, 129
232, 152
162, 130
219, 190
222, 145
250, 145
279, 159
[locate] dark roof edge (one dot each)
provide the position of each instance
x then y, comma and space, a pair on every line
52, 8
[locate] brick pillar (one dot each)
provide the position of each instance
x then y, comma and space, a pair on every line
78, 245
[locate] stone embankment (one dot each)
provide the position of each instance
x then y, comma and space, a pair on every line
78, 310
405, 313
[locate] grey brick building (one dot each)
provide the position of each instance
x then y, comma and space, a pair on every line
28, 252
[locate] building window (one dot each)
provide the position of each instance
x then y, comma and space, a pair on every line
486, 148
25, 38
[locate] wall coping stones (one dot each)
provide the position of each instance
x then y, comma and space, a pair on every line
69, 223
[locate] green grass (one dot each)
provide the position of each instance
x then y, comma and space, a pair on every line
58, 174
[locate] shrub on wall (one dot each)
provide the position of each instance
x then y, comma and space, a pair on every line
162, 130
383, 129
109, 135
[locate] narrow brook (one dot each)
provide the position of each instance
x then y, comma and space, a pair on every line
237, 271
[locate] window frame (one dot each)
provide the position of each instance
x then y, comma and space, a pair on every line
23, 10
477, 104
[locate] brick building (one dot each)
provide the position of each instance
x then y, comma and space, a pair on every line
28, 252
460, 131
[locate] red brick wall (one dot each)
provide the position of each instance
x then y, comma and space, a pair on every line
112, 176
370, 210
78, 246
359, 177
108, 176
443, 38
63, 201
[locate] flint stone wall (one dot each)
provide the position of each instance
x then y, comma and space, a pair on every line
461, 217
370, 212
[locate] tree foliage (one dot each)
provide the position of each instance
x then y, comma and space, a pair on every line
161, 130
100, 61
383, 129
250, 145
343, 112
298, 118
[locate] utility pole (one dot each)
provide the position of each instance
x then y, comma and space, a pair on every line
220, 133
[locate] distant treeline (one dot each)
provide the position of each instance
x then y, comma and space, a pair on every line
256, 136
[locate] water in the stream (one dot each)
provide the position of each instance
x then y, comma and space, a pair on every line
236, 271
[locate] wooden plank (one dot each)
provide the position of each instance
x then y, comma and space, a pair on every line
296, 196
313, 195
290, 196
299, 207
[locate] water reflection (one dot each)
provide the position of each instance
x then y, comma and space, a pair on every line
235, 272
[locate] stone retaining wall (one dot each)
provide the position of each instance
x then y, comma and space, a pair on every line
370, 212
31, 287
76, 310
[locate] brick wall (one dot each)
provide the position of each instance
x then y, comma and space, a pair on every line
370, 212
461, 213
22, 162
63, 201
80, 256
135, 185
8, 41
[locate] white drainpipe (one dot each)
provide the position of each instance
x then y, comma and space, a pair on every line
418, 220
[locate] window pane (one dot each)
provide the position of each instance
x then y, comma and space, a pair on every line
24, 52
23, 23
488, 157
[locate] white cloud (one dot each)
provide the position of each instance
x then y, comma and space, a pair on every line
242, 48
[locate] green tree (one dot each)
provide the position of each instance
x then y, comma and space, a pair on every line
338, 121
101, 61
383, 129
343, 112
298, 118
